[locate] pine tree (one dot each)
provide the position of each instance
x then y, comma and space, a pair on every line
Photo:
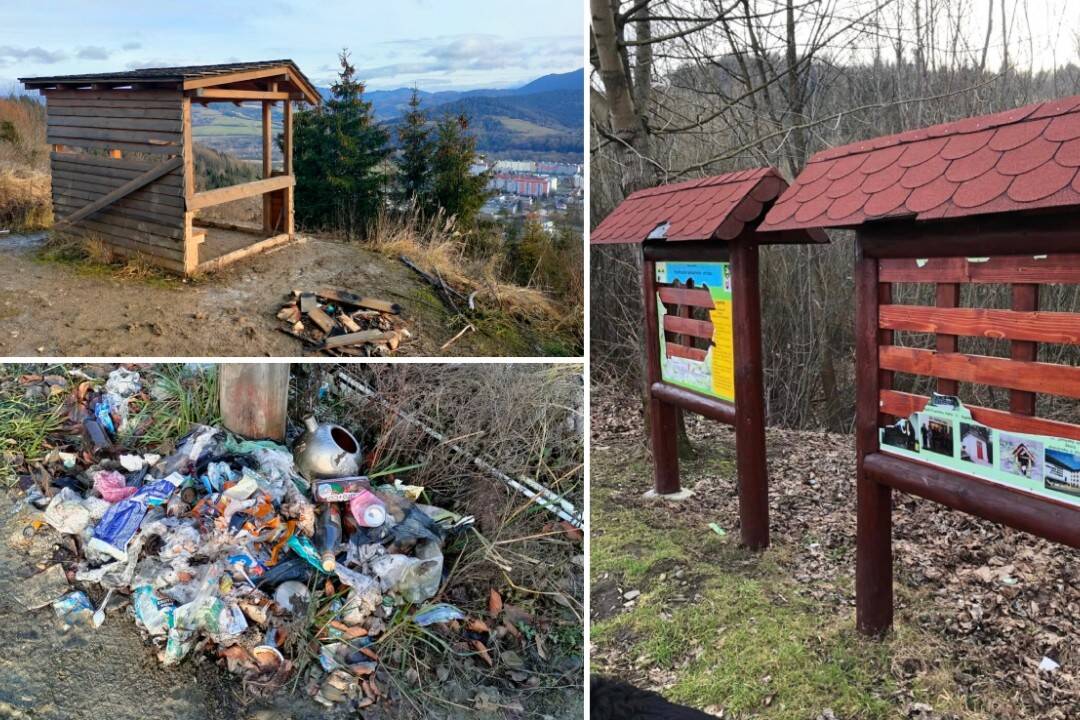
417, 150
455, 188
338, 158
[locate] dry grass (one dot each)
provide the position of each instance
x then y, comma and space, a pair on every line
25, 192
25, 200
528, 421
438, 248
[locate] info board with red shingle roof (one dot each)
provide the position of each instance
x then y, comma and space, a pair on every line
1018, 160
711, 208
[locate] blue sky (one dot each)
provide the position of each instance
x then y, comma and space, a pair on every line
438, 45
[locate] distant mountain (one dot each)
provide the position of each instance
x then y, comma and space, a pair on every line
392, 103
542, 119
573, 80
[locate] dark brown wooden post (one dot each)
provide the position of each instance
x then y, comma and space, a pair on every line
749, 396
948, 296
873, 564
1025, 298
663, 417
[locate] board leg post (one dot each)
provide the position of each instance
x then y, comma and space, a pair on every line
750, 458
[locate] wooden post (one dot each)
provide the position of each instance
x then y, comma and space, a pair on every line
749, 396
287, 130
187, 151
1025, 298
254, 399
267, 166
873, 564
663, 417
947, 296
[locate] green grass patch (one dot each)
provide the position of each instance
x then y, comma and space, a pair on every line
25, 425
180, 397
75, 254
737, 634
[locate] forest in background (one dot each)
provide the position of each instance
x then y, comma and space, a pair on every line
688, 88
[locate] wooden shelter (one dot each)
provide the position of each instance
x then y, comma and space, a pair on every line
992, 199
123, 166
703, 318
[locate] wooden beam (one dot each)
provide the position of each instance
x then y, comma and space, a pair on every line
1025, 298
242, 253
234, 77
663, 416
703, 405
267, 165
688, 326
873, 532
1057, 268
191, 248
984, 370
947, 295
209, 198
241, 95
1037, 326
749, 396
1041, 516
287, 151
126, 189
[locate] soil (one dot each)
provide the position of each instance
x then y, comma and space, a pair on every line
51, 308
54, 671
992, 601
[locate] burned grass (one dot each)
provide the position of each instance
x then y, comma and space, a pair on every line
772, 635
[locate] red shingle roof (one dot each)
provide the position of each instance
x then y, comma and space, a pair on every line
1022, 159
717, 207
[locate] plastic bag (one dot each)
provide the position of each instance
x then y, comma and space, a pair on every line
112, 486
124, 383
153, 615
71, 514
440, 613
74, 606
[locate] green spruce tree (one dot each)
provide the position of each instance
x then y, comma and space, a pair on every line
417, 150
455, 188
338, 159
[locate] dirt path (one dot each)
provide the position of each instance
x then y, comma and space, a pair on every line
55, 309
978, 606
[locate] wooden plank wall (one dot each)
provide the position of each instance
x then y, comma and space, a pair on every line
149, 221
1024, 326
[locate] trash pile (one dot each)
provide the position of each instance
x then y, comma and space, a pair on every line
274, 562
338, 322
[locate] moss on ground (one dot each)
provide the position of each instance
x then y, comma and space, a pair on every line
735, 631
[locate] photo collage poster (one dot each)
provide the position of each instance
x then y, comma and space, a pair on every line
715, 374
944, 434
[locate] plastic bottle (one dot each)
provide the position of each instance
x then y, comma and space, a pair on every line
328, 536
367, 509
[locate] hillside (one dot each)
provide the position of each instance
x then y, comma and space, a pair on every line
544, 122
539, 120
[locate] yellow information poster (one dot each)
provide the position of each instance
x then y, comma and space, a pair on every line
706, 285
723, 351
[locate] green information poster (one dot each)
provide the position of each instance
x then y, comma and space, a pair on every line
705, 285
944, 434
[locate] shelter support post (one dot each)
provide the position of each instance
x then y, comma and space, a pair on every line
749, 403
287, 132
267, 167
663, 416
874, 561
